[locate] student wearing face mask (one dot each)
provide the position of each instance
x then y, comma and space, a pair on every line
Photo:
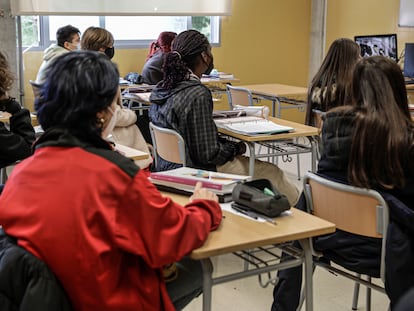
123, 129
67, 39
98, 39
94, 217
182, 103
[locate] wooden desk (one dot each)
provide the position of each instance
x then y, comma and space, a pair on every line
131, 153
237, 233
267, 140
277, 93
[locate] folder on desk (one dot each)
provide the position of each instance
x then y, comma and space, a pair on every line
253, 126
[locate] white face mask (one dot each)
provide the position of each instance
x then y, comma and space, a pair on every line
107, 130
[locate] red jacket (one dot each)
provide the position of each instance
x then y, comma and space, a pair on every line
100, 225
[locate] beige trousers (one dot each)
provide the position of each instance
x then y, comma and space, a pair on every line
240, 165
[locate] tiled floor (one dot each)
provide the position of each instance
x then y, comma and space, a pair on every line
331, 293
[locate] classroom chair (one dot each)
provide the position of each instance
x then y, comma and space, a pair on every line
243, 97
238, 96
355, 210
167, 144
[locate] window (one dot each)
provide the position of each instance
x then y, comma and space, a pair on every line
38, 32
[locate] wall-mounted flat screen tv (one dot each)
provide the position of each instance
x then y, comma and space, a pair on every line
385, 45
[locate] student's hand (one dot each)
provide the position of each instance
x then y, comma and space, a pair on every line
203, 193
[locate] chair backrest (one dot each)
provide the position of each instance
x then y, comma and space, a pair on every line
355, 210
239, 96
35, 88
168, 144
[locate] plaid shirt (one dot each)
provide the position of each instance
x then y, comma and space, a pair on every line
188, 110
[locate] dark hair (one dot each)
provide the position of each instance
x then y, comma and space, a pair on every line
65, 34
382, 142
333, 77
78, 86
95, 38
6, 76
186, 48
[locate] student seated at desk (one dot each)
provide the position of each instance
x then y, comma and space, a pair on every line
16, 140
152, 72
125, 131
371, 145
181, 102
90, 213
329, 87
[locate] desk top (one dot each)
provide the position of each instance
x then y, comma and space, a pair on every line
275, 89
301, 130
218, 80
239, 233
131, 153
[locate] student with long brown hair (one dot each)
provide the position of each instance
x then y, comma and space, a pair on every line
329, 87
368, 144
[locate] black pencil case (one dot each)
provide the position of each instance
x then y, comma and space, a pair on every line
260, 196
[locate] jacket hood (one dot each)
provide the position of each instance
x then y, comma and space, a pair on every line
160, 95
53, 51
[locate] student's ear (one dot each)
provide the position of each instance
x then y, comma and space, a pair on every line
204, 56
66, 45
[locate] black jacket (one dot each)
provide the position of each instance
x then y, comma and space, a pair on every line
359, 253
26, 283
16, 143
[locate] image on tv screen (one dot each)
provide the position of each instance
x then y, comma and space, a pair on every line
385, 45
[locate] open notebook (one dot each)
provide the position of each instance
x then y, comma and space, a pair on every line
252, 126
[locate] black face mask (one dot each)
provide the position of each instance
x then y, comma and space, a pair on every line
210, 67
110, 52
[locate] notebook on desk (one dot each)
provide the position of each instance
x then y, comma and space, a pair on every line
252, 126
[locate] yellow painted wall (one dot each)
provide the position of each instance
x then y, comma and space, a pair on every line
263, 41
348, 18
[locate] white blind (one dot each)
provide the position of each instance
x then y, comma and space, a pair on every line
122, 7
406, 13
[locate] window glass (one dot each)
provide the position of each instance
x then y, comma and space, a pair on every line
129, 31
80, 22
30, 31
143, 27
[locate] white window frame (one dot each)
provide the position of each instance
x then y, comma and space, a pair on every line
45, 41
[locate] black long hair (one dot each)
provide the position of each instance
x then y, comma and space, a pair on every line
186, 48
78, 86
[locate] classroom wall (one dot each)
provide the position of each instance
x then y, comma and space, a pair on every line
268, 40
347, 18
263, 41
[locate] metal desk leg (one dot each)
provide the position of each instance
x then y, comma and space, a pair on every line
207, 283
314, 156
251, 158
305, 243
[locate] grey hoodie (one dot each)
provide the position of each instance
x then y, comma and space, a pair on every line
51, 53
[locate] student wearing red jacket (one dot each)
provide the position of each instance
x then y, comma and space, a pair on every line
90, 213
